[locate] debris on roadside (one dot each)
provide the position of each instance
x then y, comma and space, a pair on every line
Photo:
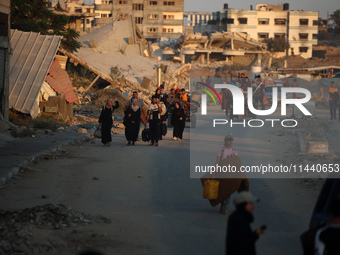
17, 228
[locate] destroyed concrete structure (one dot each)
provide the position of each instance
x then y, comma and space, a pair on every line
155, 19
219, 47
120, 49
30, 64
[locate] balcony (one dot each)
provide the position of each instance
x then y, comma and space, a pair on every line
172, 22
103, 7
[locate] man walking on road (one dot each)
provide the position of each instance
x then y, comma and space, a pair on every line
333, 98
240, 238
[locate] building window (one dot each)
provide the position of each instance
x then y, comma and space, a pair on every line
280, 22
315, 36
315, 22
153, 3
168, 3
242, 21
103, 15
281, 35
138, 7
88, 10
122, 2
229, 21
153, 16
139, 20
263, 21
88, 21
263, 36
303, 22
303, 36
303, 49
152, 29
168, 16
168, 30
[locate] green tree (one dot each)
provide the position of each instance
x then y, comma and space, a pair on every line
335, 17
277, 44
34, 15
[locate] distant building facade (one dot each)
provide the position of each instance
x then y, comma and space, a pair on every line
155, 19
270, 21
192, 19
81, 15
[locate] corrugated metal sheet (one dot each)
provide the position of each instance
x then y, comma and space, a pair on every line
59, 80
32, 57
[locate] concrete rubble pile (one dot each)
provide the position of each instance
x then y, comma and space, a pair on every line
219, 47
17, 227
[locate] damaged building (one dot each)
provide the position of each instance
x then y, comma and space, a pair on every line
155, 19
299, 28
119, 48
37, 83
219, 47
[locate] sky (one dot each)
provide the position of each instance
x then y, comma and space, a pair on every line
321, 6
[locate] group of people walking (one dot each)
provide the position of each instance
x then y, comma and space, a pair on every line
162, 107
258, 89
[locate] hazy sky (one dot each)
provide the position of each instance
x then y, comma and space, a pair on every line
322, 6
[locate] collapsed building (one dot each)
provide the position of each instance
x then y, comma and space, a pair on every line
36, 81
119, 49
224, 47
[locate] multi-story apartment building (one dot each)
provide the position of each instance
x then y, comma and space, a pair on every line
196, 18
299, 28
81, 15
156, 18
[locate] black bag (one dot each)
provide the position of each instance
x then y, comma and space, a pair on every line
164, 129
146, 135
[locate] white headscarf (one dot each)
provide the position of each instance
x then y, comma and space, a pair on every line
133, 106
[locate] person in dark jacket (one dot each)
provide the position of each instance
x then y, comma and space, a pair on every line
132, 121
240, 238
105, 120
178, 118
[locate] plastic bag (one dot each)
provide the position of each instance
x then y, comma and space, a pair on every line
98, 132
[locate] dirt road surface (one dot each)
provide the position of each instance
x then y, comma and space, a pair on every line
152, 205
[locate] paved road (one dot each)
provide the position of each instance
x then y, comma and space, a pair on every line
155, 207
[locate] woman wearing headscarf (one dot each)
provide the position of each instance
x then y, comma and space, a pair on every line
131, 120
105, 120
154, 119
158, 94
178, 118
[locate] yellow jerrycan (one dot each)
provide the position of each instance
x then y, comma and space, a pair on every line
210, 189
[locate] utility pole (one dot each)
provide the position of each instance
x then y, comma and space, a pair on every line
287, 35
5, 9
